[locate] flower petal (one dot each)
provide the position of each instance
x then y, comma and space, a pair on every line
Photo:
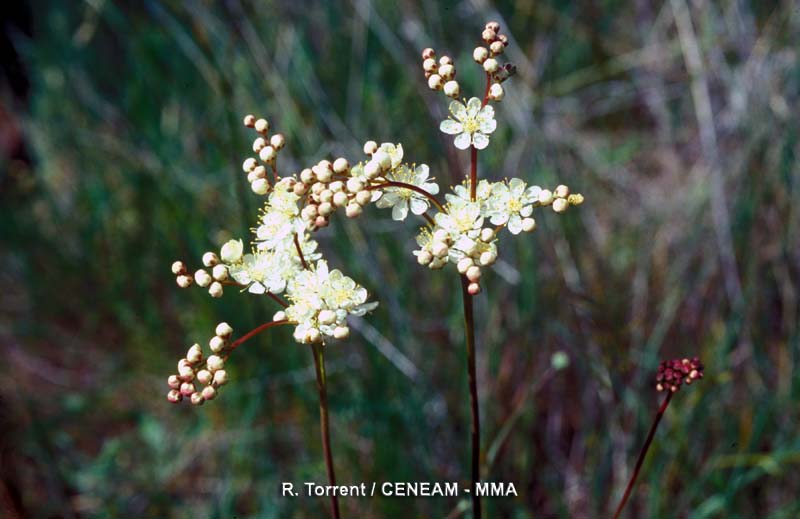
463, 140
458, 110
418, 205
479, 140
515, 224
474, 106
400, 211
451, 127
488, 126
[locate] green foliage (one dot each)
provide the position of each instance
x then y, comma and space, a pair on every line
134, 127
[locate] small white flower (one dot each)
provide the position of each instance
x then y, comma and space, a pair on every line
231, 251
471, 124
263, 272
511, 202
400, 199
462, 217
275, 230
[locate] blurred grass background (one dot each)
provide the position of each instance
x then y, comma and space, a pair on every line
122, 146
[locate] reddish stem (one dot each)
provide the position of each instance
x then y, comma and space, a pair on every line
488, 86
319, 365
300, 251
278, 299
255, 331
473, 173
642, 454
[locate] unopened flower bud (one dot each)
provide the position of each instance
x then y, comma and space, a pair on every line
215, 290
195, 354
231, 251
219, 272
496, 92
187, 388
340, 199
440, 249
326, 208
341, 332
324, 174
174, 396
561, 191
326, 195
473, 289
210, 259
428, 53
447, 72
435, 82
487, 258
313, 336
267, 154
307, 176
370, 147
277, 141
364, 197
174, 382
249, 120
260, 186
178, 267
576, 199
474, 273
445, 60
183, 281
424, 257
487, 234
209, 393
279, 316
373, 168
560, 205
490, 65
464, 264
321, 221
497, 47
259, 144
204, 376
248, 164
451, 89
354, 185
341, 165
480, 54
197, 399
261, 126
545, 197
429, 65
214, 363
326, 317
202, 278
217, 344
488, 35
353, 210
528, 224
220, 377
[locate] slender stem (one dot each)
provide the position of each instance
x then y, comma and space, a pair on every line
488, 86
278, 299
642, 454
473, 173
300, 251
255, 331
319, 364
416, 189
429, 219
469, 327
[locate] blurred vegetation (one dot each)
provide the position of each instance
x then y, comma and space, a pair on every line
679, 122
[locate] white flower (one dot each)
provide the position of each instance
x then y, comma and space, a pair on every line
461, 193
471, 124
511, 202
400, 199
275, 230
462, 217
395, 152
283, 201
231, 251
263, 272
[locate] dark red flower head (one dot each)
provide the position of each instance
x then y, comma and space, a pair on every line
672, 373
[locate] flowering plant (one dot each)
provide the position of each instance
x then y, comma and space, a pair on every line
284, 263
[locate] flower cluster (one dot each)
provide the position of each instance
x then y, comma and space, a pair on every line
673, 373
267, 151
460, 234
210, 375
487, 57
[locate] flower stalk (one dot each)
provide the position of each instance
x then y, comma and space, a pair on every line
319, 365
475, 431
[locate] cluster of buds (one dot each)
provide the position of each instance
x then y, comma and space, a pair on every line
328, 186
468, 254
212, 281
267, 148
210, 375
560, 198
672, 373
487, 57
441, 75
